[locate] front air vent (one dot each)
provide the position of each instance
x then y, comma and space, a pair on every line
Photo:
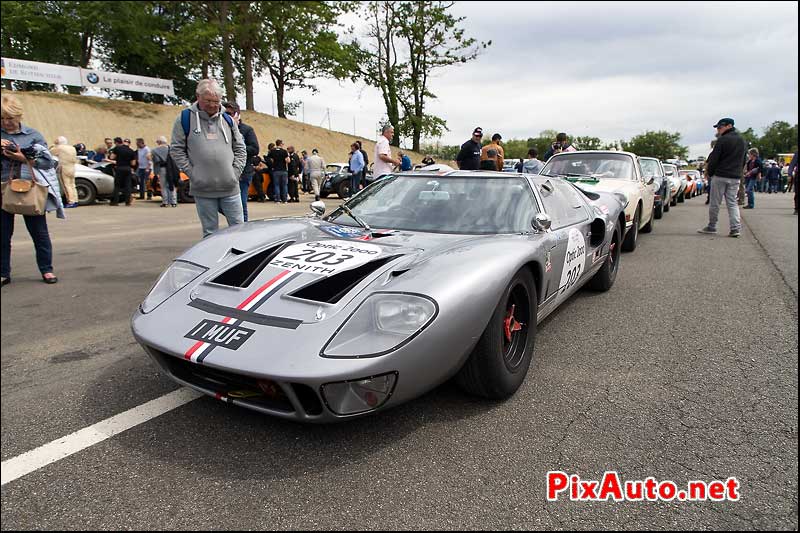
331, 290
242, 274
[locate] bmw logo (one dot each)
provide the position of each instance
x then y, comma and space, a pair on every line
92, 77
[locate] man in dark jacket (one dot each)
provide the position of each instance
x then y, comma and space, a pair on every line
251, 143
725, 167
469, 158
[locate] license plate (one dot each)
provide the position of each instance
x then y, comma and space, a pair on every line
220, 334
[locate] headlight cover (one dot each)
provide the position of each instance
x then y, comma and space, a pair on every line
381, 324
359, 396
177, 276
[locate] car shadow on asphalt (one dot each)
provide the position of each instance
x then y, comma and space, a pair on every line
231, 442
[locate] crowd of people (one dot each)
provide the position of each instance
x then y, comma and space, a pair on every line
220, 155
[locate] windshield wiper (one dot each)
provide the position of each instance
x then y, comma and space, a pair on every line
354, 217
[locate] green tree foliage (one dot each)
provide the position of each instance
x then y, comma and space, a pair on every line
434, 41
61, 32
588, 143
406, 43
658, 144
299, 43
779, 137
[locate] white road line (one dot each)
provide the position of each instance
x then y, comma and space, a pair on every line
58, 449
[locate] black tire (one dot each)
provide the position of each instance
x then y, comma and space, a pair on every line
673, 201
666, 206
632, 237
648, 228
604, 278
87, 193
343, 190
324, 194
185, 193
681, 197
658, 211
496, 367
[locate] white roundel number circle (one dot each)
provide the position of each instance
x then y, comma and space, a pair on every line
325, 258
574, 260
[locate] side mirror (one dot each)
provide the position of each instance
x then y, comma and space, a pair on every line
542, 222
318, 208
651, 180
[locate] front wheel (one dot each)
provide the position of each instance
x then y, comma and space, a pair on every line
658, 211
681, 197
87, 194
632, 237
649, 226
343, 190
499, 362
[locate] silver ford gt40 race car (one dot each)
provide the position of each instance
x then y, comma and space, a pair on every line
417, 279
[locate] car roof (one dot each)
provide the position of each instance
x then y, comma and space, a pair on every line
607, 152
460, 174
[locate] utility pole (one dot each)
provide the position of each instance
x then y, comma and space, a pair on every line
329, 118
354, 125
304, 112
273, 103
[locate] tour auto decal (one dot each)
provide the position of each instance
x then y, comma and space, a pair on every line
573, 262
325, 257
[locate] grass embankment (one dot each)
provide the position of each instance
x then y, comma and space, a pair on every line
90, 119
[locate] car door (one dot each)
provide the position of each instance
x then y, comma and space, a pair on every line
566, 261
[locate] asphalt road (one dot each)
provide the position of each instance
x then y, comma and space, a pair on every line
686, 369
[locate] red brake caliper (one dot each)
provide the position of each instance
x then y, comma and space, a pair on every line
510, 324
611, 250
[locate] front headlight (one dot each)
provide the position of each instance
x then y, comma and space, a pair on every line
381, 324
176, 277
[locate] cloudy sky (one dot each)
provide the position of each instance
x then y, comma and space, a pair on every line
606, 69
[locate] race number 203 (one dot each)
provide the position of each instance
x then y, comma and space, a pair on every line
573, 261
325, 258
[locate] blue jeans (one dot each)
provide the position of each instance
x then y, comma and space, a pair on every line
37, 227
244, 186
355, 182
208, 210
143, 174
774, 185
750, 186
280, 185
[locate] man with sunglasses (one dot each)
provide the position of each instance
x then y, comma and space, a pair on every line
469, 158
725, 167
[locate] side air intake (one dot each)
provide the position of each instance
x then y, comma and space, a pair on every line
331, 290
242, 274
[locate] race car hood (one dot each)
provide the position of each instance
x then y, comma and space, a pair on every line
302, 269
607, 185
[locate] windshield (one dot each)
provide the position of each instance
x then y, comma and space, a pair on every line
333, 168
613, 166
650, 167
469, 205
669, 170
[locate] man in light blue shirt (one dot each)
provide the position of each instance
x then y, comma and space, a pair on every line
356, 166
143, 167
532, 165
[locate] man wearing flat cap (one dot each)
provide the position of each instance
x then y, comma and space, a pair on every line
725, 166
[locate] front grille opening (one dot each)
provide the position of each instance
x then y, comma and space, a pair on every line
331, 290
260, 392
243, 274
308, 398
